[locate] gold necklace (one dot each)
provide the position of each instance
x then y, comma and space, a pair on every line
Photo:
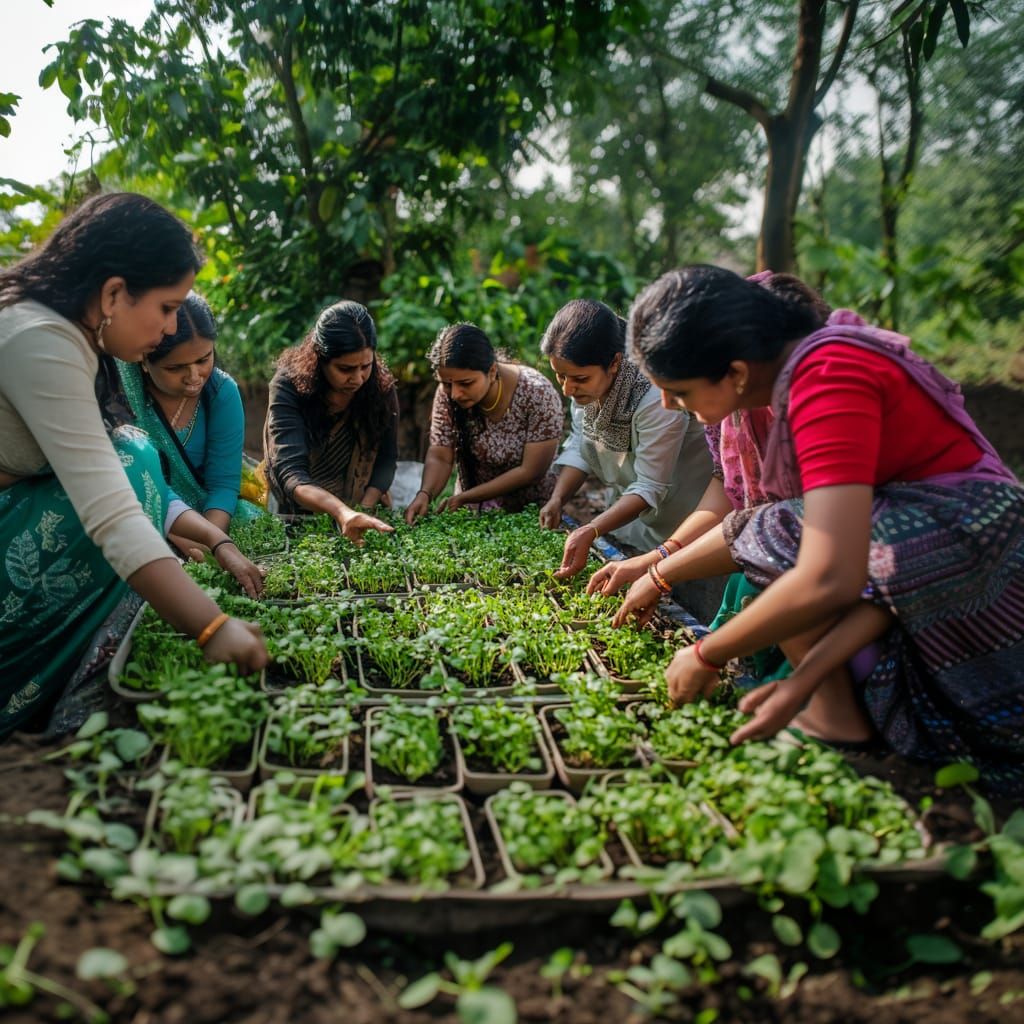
177, 412
494, 404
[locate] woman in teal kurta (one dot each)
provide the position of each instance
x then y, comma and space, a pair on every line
192, 411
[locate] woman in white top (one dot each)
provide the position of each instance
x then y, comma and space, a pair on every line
654, 459
81, 494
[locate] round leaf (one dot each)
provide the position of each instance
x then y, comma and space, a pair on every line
93, 725
191, 908
252, 899
100, 963
487, 1005
934, 949
823, 940
171, 940
787, 931
956, 775
344, 929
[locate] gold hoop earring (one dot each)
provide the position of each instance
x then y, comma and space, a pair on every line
104, 323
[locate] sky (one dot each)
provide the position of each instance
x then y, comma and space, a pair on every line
41, 128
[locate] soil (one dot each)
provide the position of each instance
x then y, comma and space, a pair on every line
260, 971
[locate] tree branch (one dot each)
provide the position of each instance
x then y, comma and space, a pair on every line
837, 58
742, 98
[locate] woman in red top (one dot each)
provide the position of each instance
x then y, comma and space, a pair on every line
887, 500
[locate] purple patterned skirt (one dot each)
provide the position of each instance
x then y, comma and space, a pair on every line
949, 564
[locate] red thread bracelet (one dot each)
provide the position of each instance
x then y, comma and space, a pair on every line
709, 665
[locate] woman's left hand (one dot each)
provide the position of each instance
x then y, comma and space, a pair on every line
774, 705
577, 549
688, 679
231, 560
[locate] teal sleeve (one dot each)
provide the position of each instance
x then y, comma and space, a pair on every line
225, 434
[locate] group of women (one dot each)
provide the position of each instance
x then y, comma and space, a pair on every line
741, 427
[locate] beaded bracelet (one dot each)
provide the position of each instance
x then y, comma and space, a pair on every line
709, 665
662, 550
659, 581
207, 634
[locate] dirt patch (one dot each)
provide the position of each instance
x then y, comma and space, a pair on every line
260, 971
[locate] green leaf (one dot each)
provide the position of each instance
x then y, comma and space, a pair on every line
189, 907
962, 16
252, 899
956, 775
1014, 827
701, 907
100, 962
344, 929
960, 861
800, 862
823, 940
93, 725
931, 36
766, 966
787, 931
297, 894
131, 744
172, 940
487, 1005
328, 203
120, 836
421, 992
934, 949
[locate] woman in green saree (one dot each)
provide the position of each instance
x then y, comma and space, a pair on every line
83, 504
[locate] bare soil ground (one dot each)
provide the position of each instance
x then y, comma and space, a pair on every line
260, 971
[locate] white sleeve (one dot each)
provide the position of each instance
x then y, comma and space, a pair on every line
49, 382
658, 437
572, 450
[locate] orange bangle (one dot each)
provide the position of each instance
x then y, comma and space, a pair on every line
671, 540
207, 634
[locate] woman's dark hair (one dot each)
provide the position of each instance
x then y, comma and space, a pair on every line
120, 234
195, 320
340, 329
586, 333
463, 347
694, 322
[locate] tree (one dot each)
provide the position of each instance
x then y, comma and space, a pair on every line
322, 141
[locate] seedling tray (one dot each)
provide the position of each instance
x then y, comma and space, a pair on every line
151, 833
574, 779
120, 661
373, 782
485, 783
241, 778
511, 871
305, 777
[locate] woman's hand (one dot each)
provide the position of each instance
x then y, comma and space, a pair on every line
450, 504
640, 603
231, 560
577, 549
613, 576
190, 549
240, 643
419, 506
354, 524
774, 705
551, 515
688, 679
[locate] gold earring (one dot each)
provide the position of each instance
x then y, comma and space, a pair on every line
104, 323
739, 388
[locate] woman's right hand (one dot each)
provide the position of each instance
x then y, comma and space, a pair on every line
640, 602
419, 506
551, 515
613, 576
240, 643
354, 524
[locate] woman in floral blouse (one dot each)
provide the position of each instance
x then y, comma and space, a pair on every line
499, 422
